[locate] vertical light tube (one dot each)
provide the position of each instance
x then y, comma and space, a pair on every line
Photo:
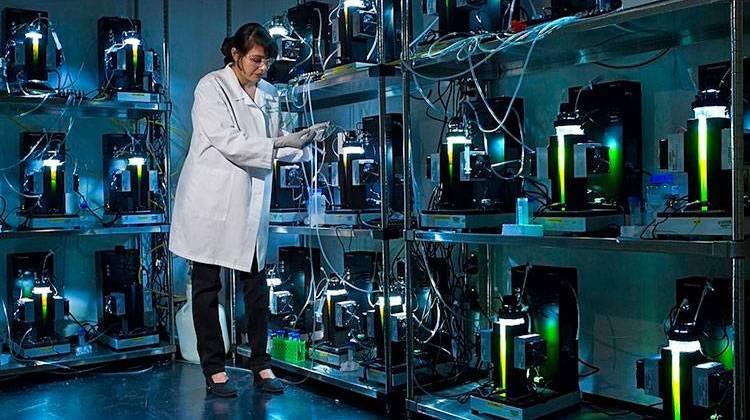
676, 384
677, 348
44, 307
561, 165
503, 355
562, 131
450, 160
43, 293
52, 164
35, 49
504, 324
53, 178
703, 160
138, 162
139, 171
134, 43
135, 60
35, 36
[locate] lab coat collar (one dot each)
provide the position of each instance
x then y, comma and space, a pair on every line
236, 93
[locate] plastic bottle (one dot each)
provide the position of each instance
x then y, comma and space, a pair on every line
83, 346
636, 216
270, 341
662, 187
522, 211
316, 207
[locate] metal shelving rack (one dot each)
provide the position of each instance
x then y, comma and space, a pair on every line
341, 232
104, 109
682, 23
87, 108
347, 85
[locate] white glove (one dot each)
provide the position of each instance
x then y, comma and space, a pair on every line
296, 140
320, 130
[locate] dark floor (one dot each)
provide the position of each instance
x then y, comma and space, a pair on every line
174, 391
177, 391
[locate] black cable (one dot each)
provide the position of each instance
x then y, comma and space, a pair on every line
645, 229
82, 325
633, 66
594, 369
669, 214
540, 212
725, 338
343, 248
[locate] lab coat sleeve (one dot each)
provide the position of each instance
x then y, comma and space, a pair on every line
289, 154
217, 122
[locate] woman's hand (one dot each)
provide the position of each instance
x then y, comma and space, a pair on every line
296, 140
302, 138
321, 130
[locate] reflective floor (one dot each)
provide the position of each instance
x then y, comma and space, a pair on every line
174, 391
177, 391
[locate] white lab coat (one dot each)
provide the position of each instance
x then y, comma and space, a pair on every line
223, 197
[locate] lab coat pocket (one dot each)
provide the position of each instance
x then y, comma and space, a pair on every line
210, 192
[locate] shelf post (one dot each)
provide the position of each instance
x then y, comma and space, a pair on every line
385, 189
738, 210
168, 169
406, 140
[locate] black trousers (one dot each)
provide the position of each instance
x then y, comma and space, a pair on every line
206, 286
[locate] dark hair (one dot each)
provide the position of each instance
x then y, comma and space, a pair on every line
248, 36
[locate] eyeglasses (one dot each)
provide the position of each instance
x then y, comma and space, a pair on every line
259, 61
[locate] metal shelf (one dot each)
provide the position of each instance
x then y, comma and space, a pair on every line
328, 231
649, 27
443, 408
340, 86
96, 231
87, 108
349, 381
100, 354
719, 249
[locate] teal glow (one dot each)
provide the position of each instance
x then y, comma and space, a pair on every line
496, 148
549, 329
611, 184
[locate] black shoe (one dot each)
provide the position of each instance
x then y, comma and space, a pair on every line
223, 390
271, 386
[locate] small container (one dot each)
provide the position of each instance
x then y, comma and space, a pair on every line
658, 192
636, 216
81, 337
316, 207
522, 211
83, 346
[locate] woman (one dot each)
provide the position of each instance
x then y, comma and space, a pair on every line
223, 197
